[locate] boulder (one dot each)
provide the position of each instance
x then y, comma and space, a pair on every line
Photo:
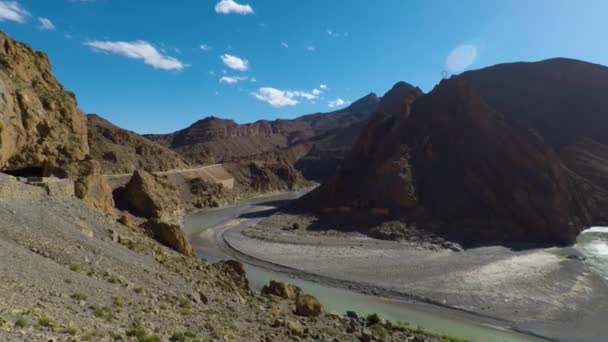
152, 196
95, 191
170, 235
308, 306
281, 289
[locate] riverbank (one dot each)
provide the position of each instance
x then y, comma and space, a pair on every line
538, 290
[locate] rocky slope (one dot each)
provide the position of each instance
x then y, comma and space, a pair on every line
494, 155
71, 274
41, 129
121, 151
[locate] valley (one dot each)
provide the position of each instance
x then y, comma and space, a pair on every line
538, 291
466, 208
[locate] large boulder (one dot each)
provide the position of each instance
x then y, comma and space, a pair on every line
170, 234
281, 289
154, 197
95, 191
41, 127
308, 306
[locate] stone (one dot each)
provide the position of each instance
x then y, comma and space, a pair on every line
308, 306
152, 196
95, 191
295, 328
170, 235
281, 289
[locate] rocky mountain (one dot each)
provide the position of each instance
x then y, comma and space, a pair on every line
42, 131
508, 153
121, 151
314, 138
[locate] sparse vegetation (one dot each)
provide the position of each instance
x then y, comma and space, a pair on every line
79, 296
46, 322
103, 312
21, 323
75, 268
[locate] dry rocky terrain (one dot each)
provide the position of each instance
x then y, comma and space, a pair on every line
71, 273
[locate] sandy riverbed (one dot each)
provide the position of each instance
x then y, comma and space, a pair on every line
539, 290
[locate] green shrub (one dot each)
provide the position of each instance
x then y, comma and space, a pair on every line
379, 331
21, 323
373, 319
44, 321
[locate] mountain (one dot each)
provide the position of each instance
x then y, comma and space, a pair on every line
42, 130
507, 153
314, 143
121, 151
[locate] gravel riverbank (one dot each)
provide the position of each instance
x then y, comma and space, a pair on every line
538, 290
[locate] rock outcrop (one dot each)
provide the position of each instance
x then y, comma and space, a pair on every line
156, 199
266, 176
41, 129
95, 191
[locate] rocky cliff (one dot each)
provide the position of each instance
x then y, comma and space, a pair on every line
42, 130
494, 155
121, 151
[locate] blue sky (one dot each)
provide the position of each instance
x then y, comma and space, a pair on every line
157, 66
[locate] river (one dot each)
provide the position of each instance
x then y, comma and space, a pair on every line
200, 225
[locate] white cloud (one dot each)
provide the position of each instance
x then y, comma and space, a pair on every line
12, 11
234, 62
46, 24
461, 58
285, 45
337, 103
205, 47
253, 80
323, 87
311, 48
232, 79
138, 50
275, 97
281, 98
231, 6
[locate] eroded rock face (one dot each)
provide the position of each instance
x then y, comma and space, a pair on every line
266, 176
170, 234
155, 198
40, 124
95, 191
488, 177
